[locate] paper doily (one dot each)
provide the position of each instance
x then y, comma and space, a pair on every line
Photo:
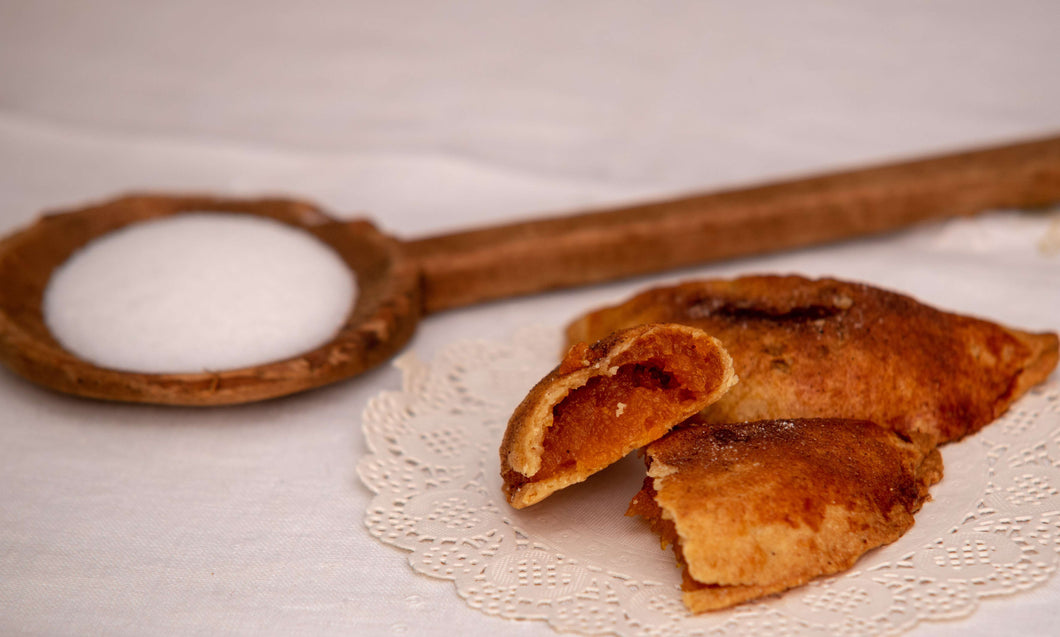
575, 560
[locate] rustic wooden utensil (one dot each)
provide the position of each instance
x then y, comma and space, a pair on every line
401, 281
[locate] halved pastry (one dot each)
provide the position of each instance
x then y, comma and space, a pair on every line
756, 508
604, 401
829, 348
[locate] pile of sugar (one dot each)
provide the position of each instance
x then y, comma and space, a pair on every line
196, 292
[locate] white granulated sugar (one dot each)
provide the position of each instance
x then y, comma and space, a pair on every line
198, 291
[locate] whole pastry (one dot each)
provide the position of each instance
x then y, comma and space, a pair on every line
836, 349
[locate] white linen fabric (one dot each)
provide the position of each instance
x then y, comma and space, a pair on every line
426, 117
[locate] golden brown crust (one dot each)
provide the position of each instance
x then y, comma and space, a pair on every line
756, 508
829, 348
601, 402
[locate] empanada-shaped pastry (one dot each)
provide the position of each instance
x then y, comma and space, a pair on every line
604, 401
828, 348
757, 508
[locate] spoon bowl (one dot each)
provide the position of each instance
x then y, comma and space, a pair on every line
381, 320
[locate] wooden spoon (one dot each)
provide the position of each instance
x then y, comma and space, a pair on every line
400, 281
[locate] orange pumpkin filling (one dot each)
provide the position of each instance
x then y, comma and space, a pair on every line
636, 405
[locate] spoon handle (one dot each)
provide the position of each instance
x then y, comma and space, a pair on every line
521, 258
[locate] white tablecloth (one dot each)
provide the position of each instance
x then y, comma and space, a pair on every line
133, 520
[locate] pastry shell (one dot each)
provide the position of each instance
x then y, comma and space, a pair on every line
603, 401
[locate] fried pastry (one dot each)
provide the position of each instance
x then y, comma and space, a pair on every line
756, 508
828, 348
603, 401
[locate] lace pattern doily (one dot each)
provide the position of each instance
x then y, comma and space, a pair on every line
575, 560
